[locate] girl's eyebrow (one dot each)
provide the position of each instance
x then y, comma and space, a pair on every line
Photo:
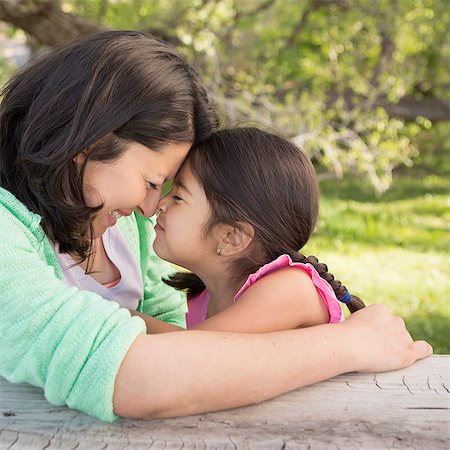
178, 183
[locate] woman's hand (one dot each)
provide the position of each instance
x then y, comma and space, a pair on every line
379, 340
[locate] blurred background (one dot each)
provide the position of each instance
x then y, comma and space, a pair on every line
361, 85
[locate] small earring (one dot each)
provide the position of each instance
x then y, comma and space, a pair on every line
218, 251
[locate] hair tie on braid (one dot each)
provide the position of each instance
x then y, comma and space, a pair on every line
346, 298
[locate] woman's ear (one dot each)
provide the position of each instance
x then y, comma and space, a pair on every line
232, 240
80, 158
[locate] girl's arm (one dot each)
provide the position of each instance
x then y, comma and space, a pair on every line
155, 326
283, 300
192, 372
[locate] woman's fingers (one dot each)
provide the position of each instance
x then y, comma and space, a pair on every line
383, 342
422, 349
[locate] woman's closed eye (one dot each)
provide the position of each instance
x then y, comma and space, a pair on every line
153, 186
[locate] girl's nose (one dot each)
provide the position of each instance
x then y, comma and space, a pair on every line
162, 204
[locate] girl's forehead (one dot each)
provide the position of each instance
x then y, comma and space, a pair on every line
184, 173
186, 179
163, 163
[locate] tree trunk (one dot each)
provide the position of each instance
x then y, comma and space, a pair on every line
45, 22
407, 108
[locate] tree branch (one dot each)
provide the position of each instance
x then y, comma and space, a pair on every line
45, 21
313, 6
407, 108
48, 24
263, 6
434, 109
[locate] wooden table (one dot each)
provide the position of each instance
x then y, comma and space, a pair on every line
407, 409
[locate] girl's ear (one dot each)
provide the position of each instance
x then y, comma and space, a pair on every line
233, 240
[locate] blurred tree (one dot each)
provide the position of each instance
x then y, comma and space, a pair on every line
44, 21
354, 82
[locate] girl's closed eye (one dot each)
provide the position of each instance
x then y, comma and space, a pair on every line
153, 186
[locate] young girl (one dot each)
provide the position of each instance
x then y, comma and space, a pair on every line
242, 205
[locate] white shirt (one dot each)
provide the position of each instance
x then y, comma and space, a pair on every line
128, 292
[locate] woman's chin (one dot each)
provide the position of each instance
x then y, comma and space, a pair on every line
99, 230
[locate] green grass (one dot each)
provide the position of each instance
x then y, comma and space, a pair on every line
394, 249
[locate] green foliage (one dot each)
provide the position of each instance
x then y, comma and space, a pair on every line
6, 67
316, 70
435, 157
318, 83
392, 250
5, 70
312, 69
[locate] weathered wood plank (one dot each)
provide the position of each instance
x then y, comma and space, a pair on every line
409, 408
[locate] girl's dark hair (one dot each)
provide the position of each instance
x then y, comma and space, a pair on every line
251, 176
92, 96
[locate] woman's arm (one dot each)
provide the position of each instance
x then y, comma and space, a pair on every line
283, 300
197, 371
69, 342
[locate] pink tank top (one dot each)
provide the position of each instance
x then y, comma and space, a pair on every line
198, 305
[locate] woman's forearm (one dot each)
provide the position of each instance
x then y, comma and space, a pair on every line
197, 371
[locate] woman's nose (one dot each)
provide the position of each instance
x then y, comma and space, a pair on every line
149, 205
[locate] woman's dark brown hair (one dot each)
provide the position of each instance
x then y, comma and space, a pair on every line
251, 176
92, 96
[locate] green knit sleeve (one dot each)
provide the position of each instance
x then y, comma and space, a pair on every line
160, 300
69, 342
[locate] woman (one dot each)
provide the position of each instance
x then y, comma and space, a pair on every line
88, 135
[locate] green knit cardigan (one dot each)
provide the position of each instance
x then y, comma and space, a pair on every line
67, 341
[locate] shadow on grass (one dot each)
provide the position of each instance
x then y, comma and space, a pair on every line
424, 240
434, 328
413, 215
360, 189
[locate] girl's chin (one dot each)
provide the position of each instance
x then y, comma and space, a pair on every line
156, 248
160, 251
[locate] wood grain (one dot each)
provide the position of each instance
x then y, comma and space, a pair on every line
405, 409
